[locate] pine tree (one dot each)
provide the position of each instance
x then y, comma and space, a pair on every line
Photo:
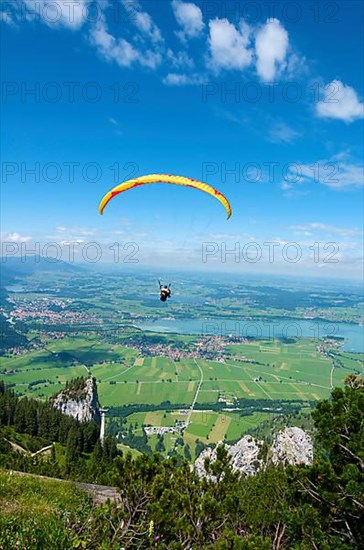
187, 452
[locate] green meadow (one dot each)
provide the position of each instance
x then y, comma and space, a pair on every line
262, 370
207, 426
258, 370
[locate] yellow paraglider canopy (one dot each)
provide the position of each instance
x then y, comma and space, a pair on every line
165, 178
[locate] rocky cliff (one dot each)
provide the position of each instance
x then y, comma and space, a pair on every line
79, 400
291, 446
244, 457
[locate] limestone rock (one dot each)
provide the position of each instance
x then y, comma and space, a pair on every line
292, 446
243, 457
81, 402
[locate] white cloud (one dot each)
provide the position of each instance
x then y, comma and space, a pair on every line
282, 133
67, 13
230, 116
340, 172
71, 242
189, 17
271, 45
237, 237
142, 20
120, 50
75, 231
116, 126
150, 59
333, 229
179, 60
228, 45
340, 102
175, 79
145, 24
304, 233
16, 238
336, 172
296, 65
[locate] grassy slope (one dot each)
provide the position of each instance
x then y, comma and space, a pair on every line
40, 514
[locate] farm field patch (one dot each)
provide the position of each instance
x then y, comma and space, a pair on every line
260, 370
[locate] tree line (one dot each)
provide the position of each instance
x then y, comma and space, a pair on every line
76, 449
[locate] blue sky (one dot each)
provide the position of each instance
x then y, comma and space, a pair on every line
266, 106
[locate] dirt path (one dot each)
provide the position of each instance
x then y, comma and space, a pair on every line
196, 394
20, 449
16, 447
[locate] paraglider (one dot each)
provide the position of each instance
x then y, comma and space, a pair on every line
164, 291
165, 178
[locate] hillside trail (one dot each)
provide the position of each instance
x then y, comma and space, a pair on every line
20, 449
99, 493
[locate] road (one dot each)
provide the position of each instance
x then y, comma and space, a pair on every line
196, 394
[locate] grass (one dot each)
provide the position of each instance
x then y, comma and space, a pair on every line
285, 371
39, 514
125, 449
208, 426
136, 391
240, 425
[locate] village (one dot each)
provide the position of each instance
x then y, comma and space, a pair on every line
52, 311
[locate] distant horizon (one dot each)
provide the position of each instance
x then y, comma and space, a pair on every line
111, 268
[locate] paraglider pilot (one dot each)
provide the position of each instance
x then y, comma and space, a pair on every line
165, 291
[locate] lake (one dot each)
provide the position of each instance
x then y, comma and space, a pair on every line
274, 328
15, 288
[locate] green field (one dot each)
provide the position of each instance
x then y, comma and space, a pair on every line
207, 426
280, 371
259, 370
125, 449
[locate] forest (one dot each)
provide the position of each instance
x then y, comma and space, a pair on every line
164, 504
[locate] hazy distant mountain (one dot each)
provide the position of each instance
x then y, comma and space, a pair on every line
15, 266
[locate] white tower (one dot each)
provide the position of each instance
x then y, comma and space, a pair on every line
102, 428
